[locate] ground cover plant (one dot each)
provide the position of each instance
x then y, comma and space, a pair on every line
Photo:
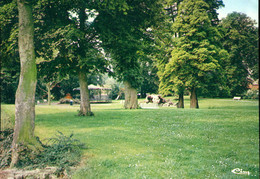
62, 152
160, 143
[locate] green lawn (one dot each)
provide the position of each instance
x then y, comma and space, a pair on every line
160, 143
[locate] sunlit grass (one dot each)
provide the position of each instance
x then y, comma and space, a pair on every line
161, 143
7, 117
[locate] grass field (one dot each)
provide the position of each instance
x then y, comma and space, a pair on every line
160, 143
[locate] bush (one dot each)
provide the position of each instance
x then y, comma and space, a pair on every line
6, 139
61, 151
251, 94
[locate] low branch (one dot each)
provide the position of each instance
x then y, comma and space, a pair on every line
42, 89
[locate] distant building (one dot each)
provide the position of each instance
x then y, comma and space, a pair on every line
97, 94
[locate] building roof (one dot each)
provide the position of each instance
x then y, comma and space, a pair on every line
94, 88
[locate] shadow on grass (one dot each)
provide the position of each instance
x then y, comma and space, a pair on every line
233, 107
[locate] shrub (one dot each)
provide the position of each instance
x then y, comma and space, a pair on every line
6, 139
251, 94
61, 151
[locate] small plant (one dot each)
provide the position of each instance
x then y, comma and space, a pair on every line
60, 151
6, 138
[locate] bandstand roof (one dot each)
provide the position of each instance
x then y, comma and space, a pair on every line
93, 87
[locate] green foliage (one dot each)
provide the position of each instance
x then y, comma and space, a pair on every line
214, 6
6, 139
8, 85
9, 34
240, 39
124, 36
66, 86
150, 82
195, 33
9, 55
60, 151
67, 43
195, 58
115, 91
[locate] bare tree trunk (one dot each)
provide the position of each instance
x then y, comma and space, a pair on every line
85, 109
193, 99
181, 101
25, 94
130, 97
48, 85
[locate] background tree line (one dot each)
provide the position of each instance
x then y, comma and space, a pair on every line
237, 34
173, 45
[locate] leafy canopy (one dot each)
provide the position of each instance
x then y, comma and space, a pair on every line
196, 55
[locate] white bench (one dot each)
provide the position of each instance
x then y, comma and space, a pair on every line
149, 106
236, 98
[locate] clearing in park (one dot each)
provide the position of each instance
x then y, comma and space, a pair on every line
215, 141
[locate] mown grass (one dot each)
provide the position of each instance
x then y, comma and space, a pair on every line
161, 143
7, 120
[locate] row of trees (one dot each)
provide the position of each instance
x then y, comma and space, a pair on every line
195, 59
183, 39
239, 64
68, 42
204, 55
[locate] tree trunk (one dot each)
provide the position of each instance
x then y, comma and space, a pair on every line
25, 94
130, 97
85, 109
181, 101
48, 85
193, 99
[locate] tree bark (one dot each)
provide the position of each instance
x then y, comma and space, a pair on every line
181, 101
193, 99
48, 85
131, 101
25, 94
85, 109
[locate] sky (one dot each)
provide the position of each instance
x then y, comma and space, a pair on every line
249, 7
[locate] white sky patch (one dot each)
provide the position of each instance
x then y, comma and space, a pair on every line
91, 15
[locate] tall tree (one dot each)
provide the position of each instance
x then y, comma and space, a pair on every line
241, 41
166, 39
76, 41
165, 42
123, 26
196, 55
25, 95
